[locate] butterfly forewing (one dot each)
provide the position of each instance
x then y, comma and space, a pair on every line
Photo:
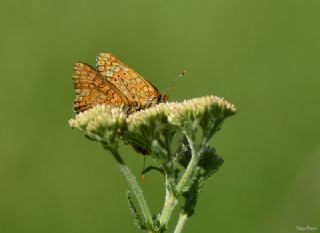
135, 88
92, 89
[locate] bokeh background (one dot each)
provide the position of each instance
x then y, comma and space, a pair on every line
263, 56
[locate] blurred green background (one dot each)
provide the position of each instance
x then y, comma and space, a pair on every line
263, 56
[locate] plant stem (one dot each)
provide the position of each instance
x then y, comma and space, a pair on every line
172, 199
190, 169
169, 205
181, 222
136, 190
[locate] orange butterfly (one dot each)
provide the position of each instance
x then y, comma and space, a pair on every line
114, 83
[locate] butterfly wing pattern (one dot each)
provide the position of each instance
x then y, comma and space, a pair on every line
92, 89
139, 92
113, 83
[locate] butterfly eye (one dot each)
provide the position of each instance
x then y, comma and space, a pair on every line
124, 73
118, 75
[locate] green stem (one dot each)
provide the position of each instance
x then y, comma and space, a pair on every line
169, 205
181, 222
187, 175
171, 199
136, 190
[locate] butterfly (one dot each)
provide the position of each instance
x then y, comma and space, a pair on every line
112, 82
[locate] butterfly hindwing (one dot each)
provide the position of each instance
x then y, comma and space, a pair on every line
92, 89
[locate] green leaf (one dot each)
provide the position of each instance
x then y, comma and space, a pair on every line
192, 196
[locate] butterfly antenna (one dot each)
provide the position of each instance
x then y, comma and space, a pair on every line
172, 87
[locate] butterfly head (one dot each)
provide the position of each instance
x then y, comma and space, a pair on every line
162, 98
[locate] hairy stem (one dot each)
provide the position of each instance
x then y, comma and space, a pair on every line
171, 199
187, 175
169, 205
183, 217
136, 190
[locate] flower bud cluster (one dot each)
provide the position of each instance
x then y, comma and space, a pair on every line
105, 123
